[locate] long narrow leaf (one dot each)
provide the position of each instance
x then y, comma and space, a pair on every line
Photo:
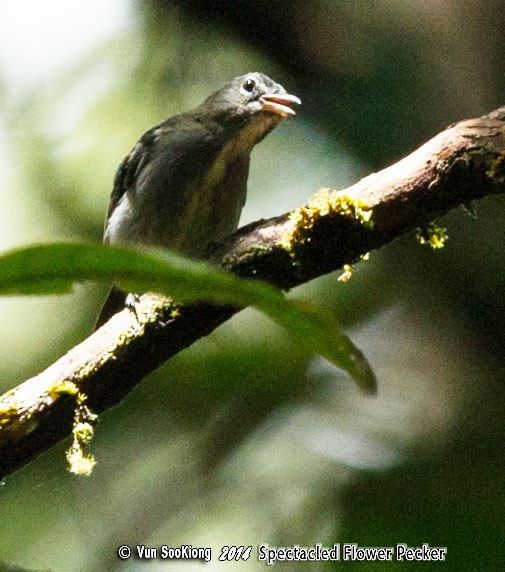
53, 268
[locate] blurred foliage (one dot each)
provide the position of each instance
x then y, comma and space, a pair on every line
241, 439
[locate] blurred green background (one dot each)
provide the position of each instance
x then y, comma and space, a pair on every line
243, 439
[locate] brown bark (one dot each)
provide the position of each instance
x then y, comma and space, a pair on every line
461, 164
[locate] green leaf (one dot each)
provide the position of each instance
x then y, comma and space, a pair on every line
53, 268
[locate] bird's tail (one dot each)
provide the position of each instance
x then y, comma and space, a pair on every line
114, 302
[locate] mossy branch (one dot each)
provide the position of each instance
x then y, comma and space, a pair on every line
335, 229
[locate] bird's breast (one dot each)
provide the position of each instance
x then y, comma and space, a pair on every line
213, 202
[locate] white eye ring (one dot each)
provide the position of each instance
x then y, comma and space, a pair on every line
248, 86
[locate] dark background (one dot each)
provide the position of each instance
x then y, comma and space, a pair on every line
243, 439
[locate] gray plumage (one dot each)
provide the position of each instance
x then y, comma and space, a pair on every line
184, 183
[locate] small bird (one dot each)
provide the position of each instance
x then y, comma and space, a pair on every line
184, 183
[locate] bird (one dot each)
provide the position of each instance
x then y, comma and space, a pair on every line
183, 185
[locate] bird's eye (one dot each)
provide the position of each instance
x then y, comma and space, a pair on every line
248, 85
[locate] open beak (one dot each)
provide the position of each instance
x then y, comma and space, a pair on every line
279, 103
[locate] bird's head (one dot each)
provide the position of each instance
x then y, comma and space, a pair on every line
253, 95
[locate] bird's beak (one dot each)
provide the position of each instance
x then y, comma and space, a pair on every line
279, 103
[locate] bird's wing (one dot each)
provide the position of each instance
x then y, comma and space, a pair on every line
131, 166
161, 149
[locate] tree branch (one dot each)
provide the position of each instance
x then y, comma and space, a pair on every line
460, 165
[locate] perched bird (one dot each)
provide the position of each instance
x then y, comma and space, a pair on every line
184, 183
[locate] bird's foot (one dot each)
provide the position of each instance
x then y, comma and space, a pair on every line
131, 302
